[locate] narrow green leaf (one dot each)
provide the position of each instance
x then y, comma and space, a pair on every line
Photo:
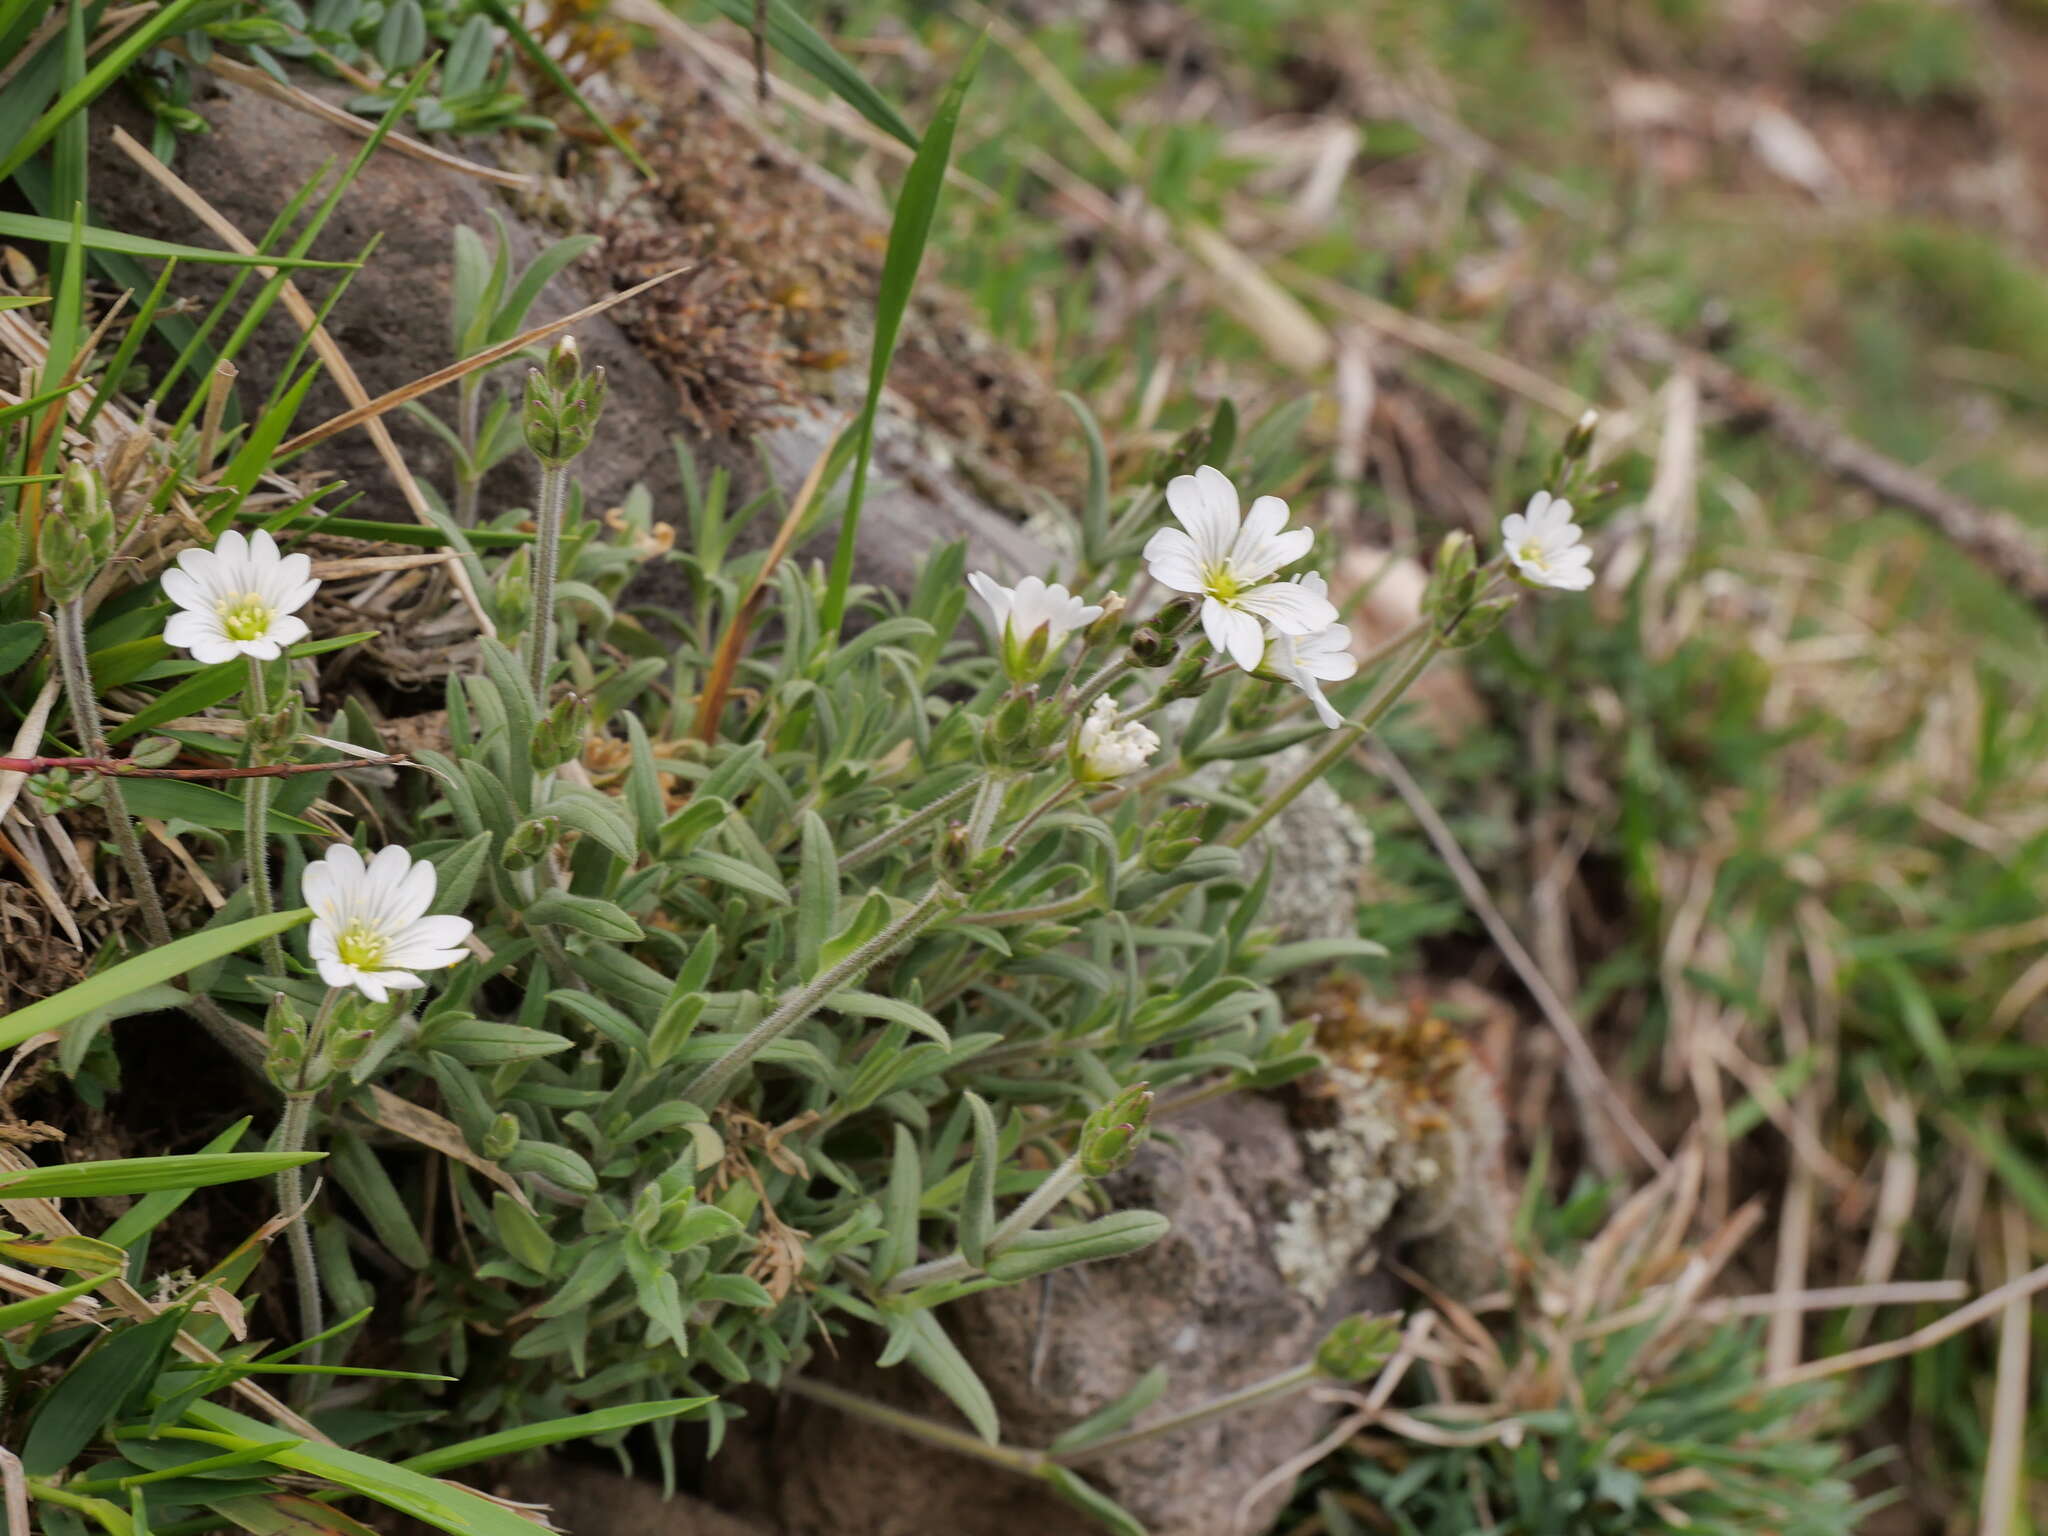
549, 1432
31, 226
204, 806
908, 232
142, 1175
796, 40
146, 970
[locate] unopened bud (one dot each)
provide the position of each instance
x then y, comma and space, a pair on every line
1580, 439
1115, 1131
530, 842
1152, 648
1357, 1347
565, 363
1012, 722
512, 592
1477, 622
1454, 581
1106, 628
1185, 680
501, 1138
1048, 724
86, 503
558, 736
271, 736
155, 752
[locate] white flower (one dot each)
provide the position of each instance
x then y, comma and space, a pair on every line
1227, 560
1020, 612
1543, 542
1309, 661
1108, 750
370, 925
239, 598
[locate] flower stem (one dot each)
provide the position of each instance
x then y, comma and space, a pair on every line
256, 797
710, 1084
889, 837
85, 716
1282, 1385
468, 428
1030, 1463
292, 1130
1055, 1187
547, 559
1341, 740
981, 820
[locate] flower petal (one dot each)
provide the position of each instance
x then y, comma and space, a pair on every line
1174, 560
1282, 549
1289, 607
333, 972
214, 649
992, 593
1234, 633
1206, 504
181, 589
288, 629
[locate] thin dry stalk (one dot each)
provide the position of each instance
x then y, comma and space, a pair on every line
1999, 1511
1985, 1306
1586, 1075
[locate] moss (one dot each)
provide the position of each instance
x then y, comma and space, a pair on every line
1905, 50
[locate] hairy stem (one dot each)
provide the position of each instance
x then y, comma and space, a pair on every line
292, 1131
257, 794
1031, 1463
1340, 742
1282, 1385
710, 1085
1057, 1185
889, 837
468, 478
85, 715
547, 559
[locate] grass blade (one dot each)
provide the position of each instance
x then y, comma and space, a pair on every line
795, 39
908, 233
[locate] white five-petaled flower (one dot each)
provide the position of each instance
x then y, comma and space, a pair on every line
1544, 544
1309, 661
1227, 559
1108, 750
1020, 612
240, 598
370, 925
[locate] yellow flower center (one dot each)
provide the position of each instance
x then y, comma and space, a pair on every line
361, 946
1222, 582
245, 616
1533, 553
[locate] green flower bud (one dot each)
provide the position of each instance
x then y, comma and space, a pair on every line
1151, 647
1579, 441
1048, 724
1115, 1131
1357, 1347
530, 842
1109, 625
71, 545
1185, 680
1454, 582
1479, 621
87, 504
271, 736
512, 592
1173, 838
501, 1138
285, 1063
565, 363
155, 752
559, 735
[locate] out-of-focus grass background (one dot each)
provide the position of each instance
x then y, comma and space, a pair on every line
1769, 811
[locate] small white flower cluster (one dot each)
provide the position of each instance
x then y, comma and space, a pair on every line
1109, 750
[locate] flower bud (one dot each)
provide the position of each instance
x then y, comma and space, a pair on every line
1173, 837
530, 842
86, 502
501, 1138
1579, 441
1048, 724
76, 535
1150, 647
285, 1062
1114, 1132
565, 363
1175, 615
558, 736
271, 736
512, 592
1454, 582
1357, 1347
1477, 622
1185, 680
1109, 625
155, 752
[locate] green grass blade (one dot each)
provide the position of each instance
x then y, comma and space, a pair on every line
908, 233
131, 976
33, 226
557, 77
112, 65
144, 1175
795, 39
552, 1432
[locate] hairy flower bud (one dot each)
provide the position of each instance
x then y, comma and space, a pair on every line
1108, 624
503, 1136
1150, 647
562, 404
1357, 1347
155, 752
530, 842
1114, 1132
558, 736
1185, 680
76, 536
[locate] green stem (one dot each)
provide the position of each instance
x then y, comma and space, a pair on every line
256, 798
1340, 742
710, 1085
114, 1518
292, 1131
1016, 1459
547, 559
468, 478
981, 820
1044, 912
889, 837
1282, 1385
85, 715
1040, 1203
